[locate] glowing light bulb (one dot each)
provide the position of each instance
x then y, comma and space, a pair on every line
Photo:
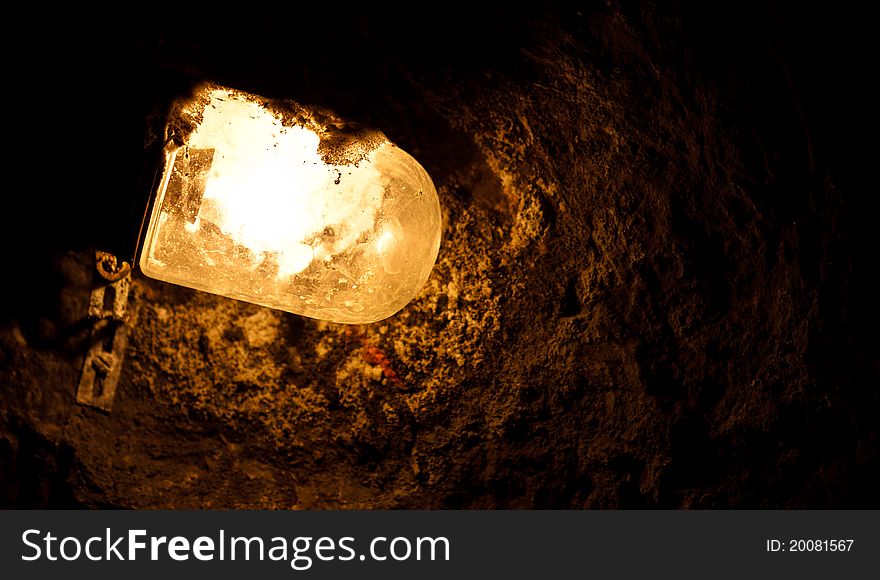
270, 203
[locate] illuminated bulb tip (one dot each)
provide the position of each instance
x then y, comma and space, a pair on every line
384, 242
277, 224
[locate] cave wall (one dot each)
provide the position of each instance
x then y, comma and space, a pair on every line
653, 288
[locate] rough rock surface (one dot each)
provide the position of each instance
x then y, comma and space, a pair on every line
652, 289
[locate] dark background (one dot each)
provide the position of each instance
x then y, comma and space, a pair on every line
654, 288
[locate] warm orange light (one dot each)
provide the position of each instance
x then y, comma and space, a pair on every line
252, 206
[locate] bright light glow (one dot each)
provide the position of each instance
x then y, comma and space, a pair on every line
248, 208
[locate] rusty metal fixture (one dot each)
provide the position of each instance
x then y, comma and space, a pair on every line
109, 268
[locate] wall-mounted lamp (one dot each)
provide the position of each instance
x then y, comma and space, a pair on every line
276, 204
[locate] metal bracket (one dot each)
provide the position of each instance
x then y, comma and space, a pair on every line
109, 335
108, 269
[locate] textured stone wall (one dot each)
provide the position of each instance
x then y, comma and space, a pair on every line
651, 288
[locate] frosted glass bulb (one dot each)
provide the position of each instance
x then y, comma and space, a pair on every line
274, 204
